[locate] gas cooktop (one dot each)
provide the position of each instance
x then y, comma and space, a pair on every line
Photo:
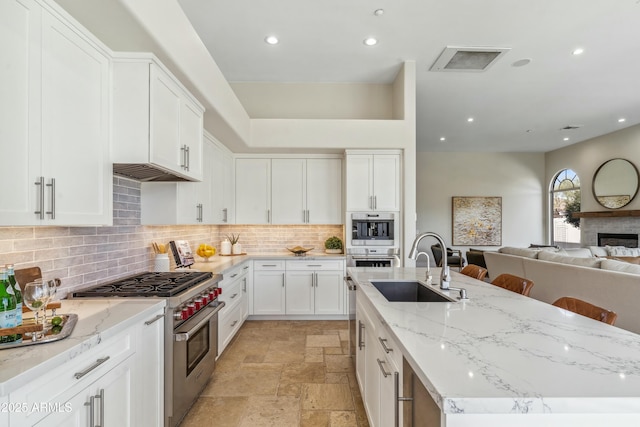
148, 284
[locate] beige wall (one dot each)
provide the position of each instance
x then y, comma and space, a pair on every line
516, 177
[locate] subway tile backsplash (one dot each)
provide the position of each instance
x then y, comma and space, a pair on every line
86, 256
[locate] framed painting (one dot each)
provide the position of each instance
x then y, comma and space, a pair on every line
477, 221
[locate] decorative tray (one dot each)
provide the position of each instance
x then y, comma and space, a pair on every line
243, 253
299, 250
51, 333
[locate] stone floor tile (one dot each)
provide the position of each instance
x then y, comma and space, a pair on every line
338, 363
326, 397
284, 352
323, 340
242, 383
314, 419
303, 373
336, 378
227, 412
343, 419
333, 350
344, 335
314, 354
272, 411
292, 389
254, 358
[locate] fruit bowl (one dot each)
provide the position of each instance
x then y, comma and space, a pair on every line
299, 250
206, 251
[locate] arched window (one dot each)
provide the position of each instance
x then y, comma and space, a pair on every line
565, 199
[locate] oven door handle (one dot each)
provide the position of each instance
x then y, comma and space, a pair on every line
184, 336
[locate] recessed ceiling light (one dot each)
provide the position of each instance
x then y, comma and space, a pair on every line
470, 119
622, 120
566, 138
442, 138
378, 12
371, 41
578, 51
271, 40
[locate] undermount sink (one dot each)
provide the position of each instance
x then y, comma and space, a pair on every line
408, 291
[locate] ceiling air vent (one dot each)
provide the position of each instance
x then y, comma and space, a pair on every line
571, 127
474, 59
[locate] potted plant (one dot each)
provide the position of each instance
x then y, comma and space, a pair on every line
236, 248
333, 245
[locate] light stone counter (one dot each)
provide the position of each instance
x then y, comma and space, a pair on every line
220, 264
98, 319
502, 353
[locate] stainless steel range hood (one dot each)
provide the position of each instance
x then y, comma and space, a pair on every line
146, 172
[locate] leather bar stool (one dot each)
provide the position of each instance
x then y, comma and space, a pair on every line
513, 283
587, 309
474, 271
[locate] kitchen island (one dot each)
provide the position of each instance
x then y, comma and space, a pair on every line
502, 359
116, 346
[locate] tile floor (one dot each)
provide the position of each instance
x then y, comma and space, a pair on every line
283, 373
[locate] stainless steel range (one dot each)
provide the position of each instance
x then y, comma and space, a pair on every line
191, 329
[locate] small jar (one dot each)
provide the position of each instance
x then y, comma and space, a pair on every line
225, 247
161, 263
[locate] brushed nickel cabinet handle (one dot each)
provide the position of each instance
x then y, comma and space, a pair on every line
154, 320
383, 341
99, 362
398, 398
385, 373
40, 182
52, 212
188, 158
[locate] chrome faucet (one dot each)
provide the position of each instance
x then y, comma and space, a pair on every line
428, 276
444, 274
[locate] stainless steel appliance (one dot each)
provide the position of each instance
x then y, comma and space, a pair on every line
373, 229
191, 329
373, 257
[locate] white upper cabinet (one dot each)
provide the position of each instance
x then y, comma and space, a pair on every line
253, 191
54, 115
156, 121
222, 185
290, 190
171, 203
373, 181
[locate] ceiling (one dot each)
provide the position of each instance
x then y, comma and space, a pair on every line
514, 108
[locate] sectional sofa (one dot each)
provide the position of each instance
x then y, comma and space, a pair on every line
607, 280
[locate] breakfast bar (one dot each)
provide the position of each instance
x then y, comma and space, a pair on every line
502, 359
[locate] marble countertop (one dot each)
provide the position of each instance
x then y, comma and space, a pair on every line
220, 264
500, 352
98, 319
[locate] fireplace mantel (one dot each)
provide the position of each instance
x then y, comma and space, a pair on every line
606, 214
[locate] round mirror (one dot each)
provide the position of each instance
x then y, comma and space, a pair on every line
615, 183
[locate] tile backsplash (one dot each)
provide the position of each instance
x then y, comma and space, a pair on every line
85, 256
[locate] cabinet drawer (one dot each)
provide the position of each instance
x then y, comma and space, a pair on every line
231, 295
228, 325
313, 265
269, 265
388, 344
60, 384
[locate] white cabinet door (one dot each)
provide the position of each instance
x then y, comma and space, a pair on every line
300, 291
164, 127
269, 292
373, 182
253, 191
148, 388
359, 182
204, 195
371, 396
20, 82
246, 284
228, 189
288, 191
360, 344
55, 117
387, 390
191, 126
386, 182
324, 191
329, 292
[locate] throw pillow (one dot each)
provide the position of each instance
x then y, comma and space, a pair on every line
625, 267
598, 250
622, 251
564, 259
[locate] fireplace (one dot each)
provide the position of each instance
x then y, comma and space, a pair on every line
618, 239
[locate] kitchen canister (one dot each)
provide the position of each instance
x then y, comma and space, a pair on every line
161, 263
225, 247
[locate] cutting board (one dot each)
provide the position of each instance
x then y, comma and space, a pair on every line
26, 275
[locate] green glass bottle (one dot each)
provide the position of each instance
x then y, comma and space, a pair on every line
11, 277
7, 307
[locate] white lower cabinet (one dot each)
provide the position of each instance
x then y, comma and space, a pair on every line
377, 367
106, 385
315, 287
234, 287
268, 287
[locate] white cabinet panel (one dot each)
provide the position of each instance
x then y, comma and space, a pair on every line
54, 120
373, 182
300, 292
222, 184
164, 120
324, 191
253, 191
329, 292
289, 191
268, 292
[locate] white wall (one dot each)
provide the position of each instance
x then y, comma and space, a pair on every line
584, 158
516, 177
